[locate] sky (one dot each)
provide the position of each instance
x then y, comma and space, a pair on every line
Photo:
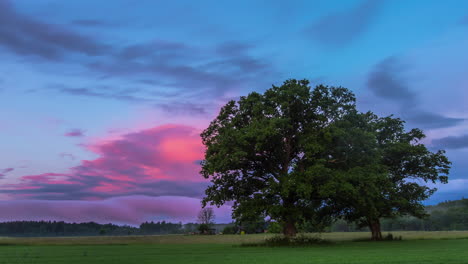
102, 102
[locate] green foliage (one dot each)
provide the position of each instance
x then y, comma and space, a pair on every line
229, 230
379, 169
285, 241
204, 228
275, 228
265, 152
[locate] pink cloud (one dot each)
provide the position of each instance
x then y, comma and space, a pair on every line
131, 210
158, 161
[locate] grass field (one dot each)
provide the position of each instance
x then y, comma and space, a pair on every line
417, 247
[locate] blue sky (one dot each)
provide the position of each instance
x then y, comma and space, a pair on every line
82, 82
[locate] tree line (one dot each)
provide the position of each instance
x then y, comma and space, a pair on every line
445, 216
60, 228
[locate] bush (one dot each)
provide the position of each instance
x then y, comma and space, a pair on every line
204, 229
390, 237
229, 230
274, 228
283, 241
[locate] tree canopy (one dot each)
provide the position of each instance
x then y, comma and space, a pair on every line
380, 170
295, 154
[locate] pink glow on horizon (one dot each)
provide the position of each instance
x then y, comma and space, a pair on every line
131, 210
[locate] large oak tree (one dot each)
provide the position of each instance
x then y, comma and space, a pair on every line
264, 152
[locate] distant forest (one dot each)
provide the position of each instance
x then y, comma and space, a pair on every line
445, 216
449, 215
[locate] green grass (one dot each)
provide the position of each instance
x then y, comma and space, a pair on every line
419, 247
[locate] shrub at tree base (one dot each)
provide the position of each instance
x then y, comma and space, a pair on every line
229, 230
274, 228
204, 229
285, 241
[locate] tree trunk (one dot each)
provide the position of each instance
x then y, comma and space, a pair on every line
374, 226
289, 229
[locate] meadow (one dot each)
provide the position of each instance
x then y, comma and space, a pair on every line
417, 247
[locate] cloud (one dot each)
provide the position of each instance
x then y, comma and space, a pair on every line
75, 133
89, 23
464, 20
431, 120
27, 36
191, 71
192, 74
387, 81
3, 172
453, 190
184, 108
341, 28
159, 161
111, 93
131, 210
452, 142
164, 74
67, 155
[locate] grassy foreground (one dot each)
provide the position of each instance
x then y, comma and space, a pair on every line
435, 247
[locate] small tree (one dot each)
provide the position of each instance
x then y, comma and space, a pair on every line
206, 216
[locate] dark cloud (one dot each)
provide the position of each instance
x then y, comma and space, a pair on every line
45, 191
114, 94
3, 172
387, 81
162, 73
232, 48
89, 23
27, 36
75, 133
158, 49
192, 74
430, 120
196, 72
340, 28
452, 142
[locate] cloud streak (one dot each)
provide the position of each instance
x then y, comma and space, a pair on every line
3, 172
75, 133
452, 142
341, 28
26, 36
387, 81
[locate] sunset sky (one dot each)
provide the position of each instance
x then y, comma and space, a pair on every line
102, 102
